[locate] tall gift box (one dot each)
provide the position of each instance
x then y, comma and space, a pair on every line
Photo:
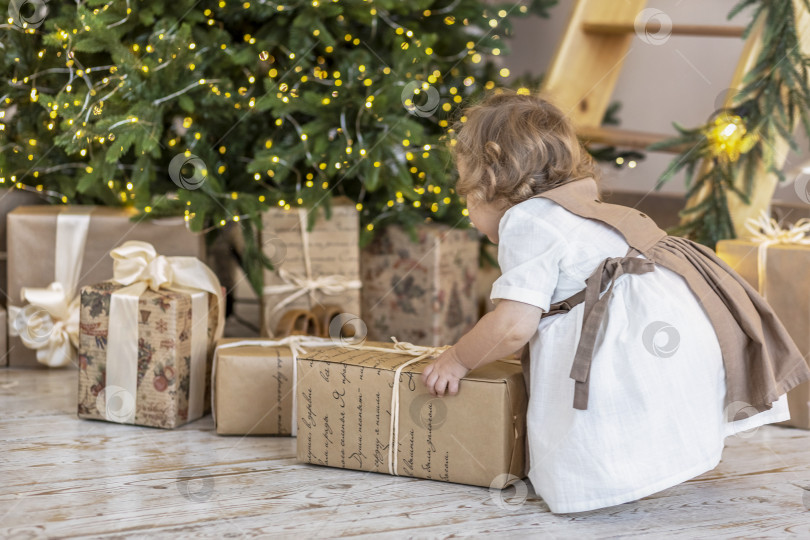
783, 283
145, 339
3, 337
55, 250
313, 268
424, 291
9, 200
365, 408
253, 384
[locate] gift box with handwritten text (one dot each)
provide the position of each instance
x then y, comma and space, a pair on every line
346, 418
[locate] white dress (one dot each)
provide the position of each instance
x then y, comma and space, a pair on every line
656, 415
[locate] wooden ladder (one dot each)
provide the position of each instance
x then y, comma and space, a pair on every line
588, 61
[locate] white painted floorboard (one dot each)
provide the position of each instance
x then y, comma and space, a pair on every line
61, 477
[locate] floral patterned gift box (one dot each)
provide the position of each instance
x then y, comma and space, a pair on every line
168, 377
421, 291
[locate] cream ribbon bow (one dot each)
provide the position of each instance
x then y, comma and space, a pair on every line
767, 232
138, 266
299, 285
48, 324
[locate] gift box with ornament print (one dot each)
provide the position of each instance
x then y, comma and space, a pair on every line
420, 289
171, 381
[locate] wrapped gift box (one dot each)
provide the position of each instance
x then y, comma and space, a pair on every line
332, 248
423, 292
344, 418
32, 232
165, 375
3, 337
9, 200
787, 290
253, 389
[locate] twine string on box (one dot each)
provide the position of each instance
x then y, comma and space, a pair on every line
295, 285
767, 232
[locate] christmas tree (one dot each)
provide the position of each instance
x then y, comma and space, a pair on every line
217, 109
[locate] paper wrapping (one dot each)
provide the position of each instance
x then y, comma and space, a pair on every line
344, 415
422, 292
333, 250
3, 336
253, 390
31, 252
788, 292
164, 355
9, 200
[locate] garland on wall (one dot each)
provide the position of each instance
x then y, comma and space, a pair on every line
738, 140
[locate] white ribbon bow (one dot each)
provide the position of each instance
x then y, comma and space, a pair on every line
138, 266
48, 324
767, 232
299, 285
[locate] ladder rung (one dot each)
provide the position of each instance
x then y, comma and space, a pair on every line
623, 138
653, 26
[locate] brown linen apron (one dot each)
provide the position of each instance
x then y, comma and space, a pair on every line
760, 359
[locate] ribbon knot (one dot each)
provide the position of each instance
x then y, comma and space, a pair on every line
136, 261
48, 324
297, 285
606, 274
766, 232
418, 350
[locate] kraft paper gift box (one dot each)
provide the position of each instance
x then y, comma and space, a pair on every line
85, 235
423, 292
253, 384
785, 286
9, 200
313, 268
3, 338
144, 354
345, 417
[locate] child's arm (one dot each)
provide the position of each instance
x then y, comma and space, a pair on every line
498, 334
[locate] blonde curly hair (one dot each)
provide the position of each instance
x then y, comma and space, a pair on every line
514, 146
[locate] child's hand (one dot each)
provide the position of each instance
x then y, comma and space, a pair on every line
444, 373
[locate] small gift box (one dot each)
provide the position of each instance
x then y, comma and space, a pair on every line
422, 291
53, 251
774, 262
313, 268
364, 407
253, 384
145, 338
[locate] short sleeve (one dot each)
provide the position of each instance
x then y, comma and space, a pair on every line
529, 253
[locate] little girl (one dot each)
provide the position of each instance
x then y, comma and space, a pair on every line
645, 350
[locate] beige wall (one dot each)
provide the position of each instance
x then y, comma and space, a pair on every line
681, 80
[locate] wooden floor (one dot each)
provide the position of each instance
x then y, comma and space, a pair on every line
65, 477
